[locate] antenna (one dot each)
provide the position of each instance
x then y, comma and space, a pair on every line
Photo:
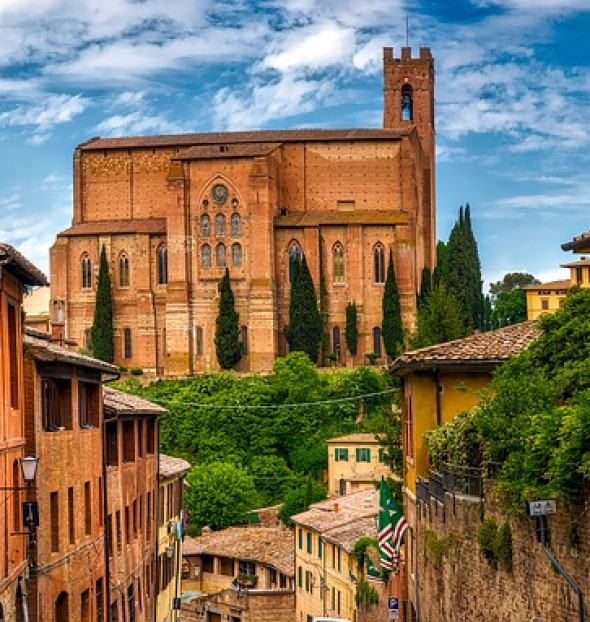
407, 30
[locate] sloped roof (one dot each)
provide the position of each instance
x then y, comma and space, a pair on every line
257, 136
345, 536
563, 284
490, 349
19, 266
578, 242
169, 466
138, 225
121, 403
355, 438
273, 546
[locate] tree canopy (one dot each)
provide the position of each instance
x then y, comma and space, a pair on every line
439, 319
102, 332
511, 281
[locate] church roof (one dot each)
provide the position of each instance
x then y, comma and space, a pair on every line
138, 225
230, 138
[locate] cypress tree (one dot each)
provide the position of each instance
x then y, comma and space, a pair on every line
425, 286
324, 302
392, 328
304, 331
441, 263
440, 319
102, 333
351, 333
227, 331
477, 297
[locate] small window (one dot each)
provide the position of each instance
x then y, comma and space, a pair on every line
205, 256
88, 339
320, 548
336, 345
363, 454
199, 341
86, 271
205, 226
128, 441
226, 566
87, 509
247, 568
56, 404
219, 226
294, 255
220, 254
119, 531
579, 275
54, 520
407, 103
299, 576
340, 455
127, 351
309, 542
236, 255
236, 226
162, 264
88, 405
99, 600
377, 340
300, 538
244, 339
112, 444
338, 263
207, 563
379, 264
124, 270
150, 437
544, 304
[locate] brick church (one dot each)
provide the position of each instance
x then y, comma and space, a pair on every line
174, 211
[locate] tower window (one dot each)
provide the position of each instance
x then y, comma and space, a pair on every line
379, 264
407, 103
236, 255
199, 341
123, 270
205, 226
377, 340
244, 339
294, 253
86, 271
336, 346
162, 265
338, 263
127, 343
236, 226
220, 253
205, 256
220, 226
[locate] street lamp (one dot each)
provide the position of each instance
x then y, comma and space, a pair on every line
29, 466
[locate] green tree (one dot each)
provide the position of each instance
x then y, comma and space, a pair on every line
351, 332
219, 495
509, 308
511, 281
298, 500
227, 331
272, 477
304, 331
439, 320
103, 341
392, 328
441, 263
425, 287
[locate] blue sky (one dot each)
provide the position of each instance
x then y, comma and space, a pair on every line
513, 95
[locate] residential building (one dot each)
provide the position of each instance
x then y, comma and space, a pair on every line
131, 475
16, 274
173, 212
326, 569
258, 561
355, 462
545, 297
63, 426
171, 475
438, 383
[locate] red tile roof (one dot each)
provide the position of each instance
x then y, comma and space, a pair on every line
18, 265
120, 403
355, 438
169, 466
564, 284
227, 138
489, 349
580, 241
142, 225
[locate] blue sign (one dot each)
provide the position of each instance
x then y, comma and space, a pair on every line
393, 604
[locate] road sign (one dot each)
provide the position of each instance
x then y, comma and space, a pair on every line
393, 606
541, 508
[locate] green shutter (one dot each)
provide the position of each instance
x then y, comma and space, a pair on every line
358, 455
300, 539
369, 455
381, 456
309, 542
345, 454
300, 576
320, 548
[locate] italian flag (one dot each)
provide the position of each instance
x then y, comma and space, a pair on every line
392, 526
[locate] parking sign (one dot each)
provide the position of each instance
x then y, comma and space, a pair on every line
393, 606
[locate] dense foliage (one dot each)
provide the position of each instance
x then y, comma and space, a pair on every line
352, 333
425, 287
298, 499
227, 329
511, 281
439, 319
392, 328
102, 332
305, 329
532, 432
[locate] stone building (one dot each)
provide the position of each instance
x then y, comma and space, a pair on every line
16, 273
174, 211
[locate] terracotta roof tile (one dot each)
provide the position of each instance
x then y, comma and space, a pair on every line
564, 284
225, 138
18, 265
169, 466
120, 403
579, 241
144, 225
347, 535
355, 438
492, 348
273, 546
583, 261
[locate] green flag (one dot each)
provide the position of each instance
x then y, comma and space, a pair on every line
392, 526
373, 573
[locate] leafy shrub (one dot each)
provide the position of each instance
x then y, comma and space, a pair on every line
136, 371
366, 595
496, 544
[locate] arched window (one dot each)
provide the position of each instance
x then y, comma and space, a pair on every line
236, 255
199, 341
205, 226
86, 271
336, 347
244, 339
162, 264
1, 613
220, 253
220, 226
236, 226
379, 264
407, 103
123, 270
338, 262
294, 254
62, 608
205, 256
377, 340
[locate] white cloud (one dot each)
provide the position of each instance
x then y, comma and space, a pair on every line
137, 123
56, 109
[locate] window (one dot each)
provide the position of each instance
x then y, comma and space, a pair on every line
236, 255
363, 454
162, 264
579, 276
86, 271
13, 351
219, 226
381, 455
85, 606
100, 502
62, 608
339, 599
379, 264
16, 496
54, 520
294, 255
244, 339
407, 103
119, 533
127, 525
338, 558
112, 443
199, 341
309, 582
377, 340
544, 304
88, 339
205, 226
300, 576
109, 535
88, 405
131, 601
236, 226
220, 255
148, 516
226, 566
123, 270
340, 455
87, 509
309, 542
140, 438
127, 343
247, 568
205, 256
336, 347
57, 404
150, 436
338, 263
128, 441
408, 417
99, 600
300, 538
71, 519
207, 563
320, 548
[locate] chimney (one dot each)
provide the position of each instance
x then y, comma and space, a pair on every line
336, 508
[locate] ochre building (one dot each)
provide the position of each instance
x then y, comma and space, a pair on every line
174, 211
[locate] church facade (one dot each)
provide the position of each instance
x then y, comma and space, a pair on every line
174, 211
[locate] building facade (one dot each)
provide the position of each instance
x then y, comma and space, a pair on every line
16, 273
173, 212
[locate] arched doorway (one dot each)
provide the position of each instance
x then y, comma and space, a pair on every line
62, 608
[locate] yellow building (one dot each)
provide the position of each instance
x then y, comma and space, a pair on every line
355, 462
545, 297
324, 539
438, 383
170, 514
